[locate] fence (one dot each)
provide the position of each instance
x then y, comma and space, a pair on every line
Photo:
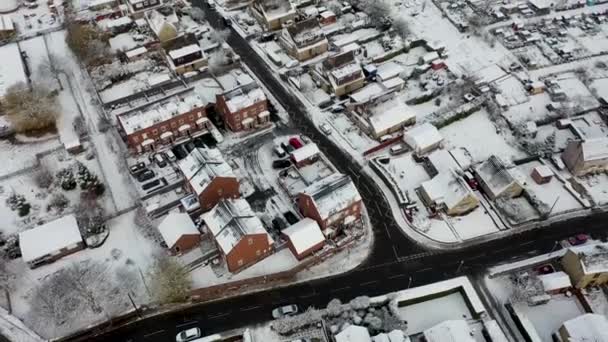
38, 157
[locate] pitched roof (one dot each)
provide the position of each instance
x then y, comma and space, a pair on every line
588, 327
176, 225
49, 238
449, 331
354, 333
333, 194
422, 136
230, 220
304, 235
202, 165
305, 152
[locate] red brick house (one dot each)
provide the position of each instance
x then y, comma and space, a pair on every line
333, 201
305, 155
209, 177
304, 238
238, 233
179, 232
145, 129
243, 108
327, 18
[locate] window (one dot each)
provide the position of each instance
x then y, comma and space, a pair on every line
135, 138
173, 124
597, 275
154, 131
258, 252
176, 249
240, 262
237, 117
181, 121
191, 118
250, 241
220, 191
163, 128
199, 114
146, 3
144, 136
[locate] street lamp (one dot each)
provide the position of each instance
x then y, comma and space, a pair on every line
409, 283
459, 266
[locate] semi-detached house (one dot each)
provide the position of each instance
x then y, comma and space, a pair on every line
238, 233
304, 40
243, 108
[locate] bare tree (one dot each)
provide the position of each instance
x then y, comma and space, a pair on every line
402, 28
170, 281
87, 42
30, 109
220, 36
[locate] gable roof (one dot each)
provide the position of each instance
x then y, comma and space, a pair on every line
332, 194
49, 238
304, 235
588, 327
176, 225
354, 333
422, 136
202, 165
230, 220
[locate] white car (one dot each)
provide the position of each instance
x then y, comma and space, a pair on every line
188, 335
283, 311
325, 129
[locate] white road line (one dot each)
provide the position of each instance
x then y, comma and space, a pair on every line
340, 289
424, 269
368, 283
251, 308
185, 324
395, 252
396, 276
308, 295
527, 243
154, 333
218, 315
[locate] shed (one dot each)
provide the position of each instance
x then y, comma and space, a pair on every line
304, 238
423, 138
556, 282
179, 232
50, 241
542, 174
305, 154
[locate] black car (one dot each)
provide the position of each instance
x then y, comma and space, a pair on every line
151, 184
145, 175
281, 163
268, 36
287, 147
137, 168
291, 217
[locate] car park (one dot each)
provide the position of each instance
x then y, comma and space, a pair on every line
285, 311
188, 335
145, 175
137, 168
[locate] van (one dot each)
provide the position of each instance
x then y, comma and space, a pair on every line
398, 149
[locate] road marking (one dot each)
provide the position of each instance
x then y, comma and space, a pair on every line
340, 289
527, 243
395, 251
368, 283
251, 308
308, 295
387, 232
185, 324
218, 315
396, 276
154, 333
424, 269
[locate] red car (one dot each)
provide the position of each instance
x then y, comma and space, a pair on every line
578, 239
295, 142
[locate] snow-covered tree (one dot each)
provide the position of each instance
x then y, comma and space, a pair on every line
89, 182
360, 303
170, 281
18, 203
288, 325
58, 202
334, 308
87, 42
66, 179
218, 62
402, 28
43, 177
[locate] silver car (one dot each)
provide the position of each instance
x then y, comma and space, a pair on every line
188, 335
283, 311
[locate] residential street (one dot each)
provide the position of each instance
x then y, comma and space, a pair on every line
395, 263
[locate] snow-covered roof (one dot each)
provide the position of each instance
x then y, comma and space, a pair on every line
449, 331
184, 51
354, 333
544, 171
333, 194
366, 93
159, 112
447, 188
305, 152
304, 235
495, 332
6, 23
588, 327
389, 70
230, 220
243, 97
541, 4
157, 21
595, 149
388, 114
555, 281
8, 5
11, 68
122, 21
136, 52
443, 160
344, 71
327, 14
495, 175
98, 3
422, 136
594, 258
393, 336
176, 225
202, 165
49, 238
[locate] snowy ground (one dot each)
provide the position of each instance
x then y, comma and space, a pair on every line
547, 318
32, 21
125, 258
426, 314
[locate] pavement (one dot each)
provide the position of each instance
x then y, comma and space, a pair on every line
395, 263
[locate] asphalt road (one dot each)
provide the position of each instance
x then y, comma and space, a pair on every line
395, 262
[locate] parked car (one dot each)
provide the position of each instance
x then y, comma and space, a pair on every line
295, 142
279, 151
278, 224
188, 335
468, 97
291, 217
578, 239
283, 311
468, 177
545, 269
304, 339
398, 149
287, 147
325, 129
170, 155
137, 168
145, 175
280, 163
160, 159
155, 183
267, 36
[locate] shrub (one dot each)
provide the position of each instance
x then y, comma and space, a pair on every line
30, 110
43, 178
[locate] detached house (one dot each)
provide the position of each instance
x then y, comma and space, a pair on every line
238, 233
304, 40
332, 201
344, 73
244, 107
382, 115
273, 14
179, 232
586, 156
209, 177
447, 191
587, 265
496, 180
137, 8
